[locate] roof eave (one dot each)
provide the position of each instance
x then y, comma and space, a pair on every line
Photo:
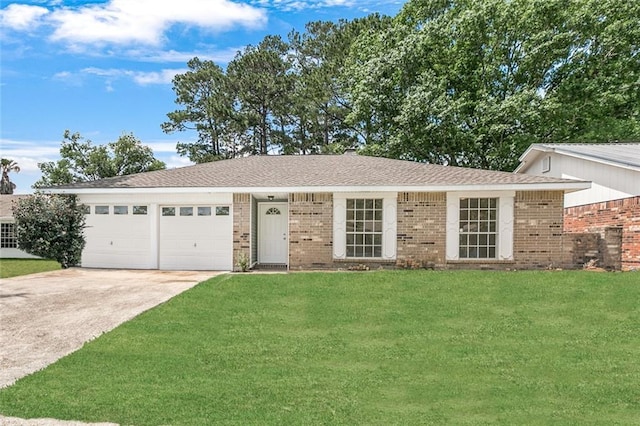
539, 186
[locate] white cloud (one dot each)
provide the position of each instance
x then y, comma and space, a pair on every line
29, 153
127, 22
142, 78
145, 21
222, 56
22, 17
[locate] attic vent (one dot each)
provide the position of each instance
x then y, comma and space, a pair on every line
546, 164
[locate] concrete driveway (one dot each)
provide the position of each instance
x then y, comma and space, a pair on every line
46, 316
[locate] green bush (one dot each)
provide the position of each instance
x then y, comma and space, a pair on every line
50, 226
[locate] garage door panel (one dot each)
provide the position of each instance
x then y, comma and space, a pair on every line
196, 242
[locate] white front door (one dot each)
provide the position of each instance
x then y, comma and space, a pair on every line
272, 233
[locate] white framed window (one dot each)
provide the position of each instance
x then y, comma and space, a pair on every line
8, 235
365, 225
204, 211
101, 209
168, 211
120, 210
140, 210
224, 211
186, 211
480, 225
478, 228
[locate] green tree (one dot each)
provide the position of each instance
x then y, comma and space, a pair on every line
50, 226
474, 83
262, 85
82, 161
8, 166
207, 100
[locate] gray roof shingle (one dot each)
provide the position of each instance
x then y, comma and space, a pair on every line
311, 171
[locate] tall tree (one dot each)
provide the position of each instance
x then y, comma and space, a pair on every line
474, 83
262, 84
8, 166
82, 161
207, 100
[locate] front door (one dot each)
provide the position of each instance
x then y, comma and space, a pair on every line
272, 233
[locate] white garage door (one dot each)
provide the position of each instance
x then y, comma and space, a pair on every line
198, 237
118, 236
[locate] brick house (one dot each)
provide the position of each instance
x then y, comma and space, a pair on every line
610, 209
323, 212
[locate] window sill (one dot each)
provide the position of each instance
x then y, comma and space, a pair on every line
364, 259
482, 261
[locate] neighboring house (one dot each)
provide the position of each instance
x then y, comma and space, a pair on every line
323, 212
8, 243
612, 205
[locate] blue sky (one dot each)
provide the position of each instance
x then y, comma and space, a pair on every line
104, 68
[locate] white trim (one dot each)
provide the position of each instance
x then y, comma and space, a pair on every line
389, 227
362, 190
505, 222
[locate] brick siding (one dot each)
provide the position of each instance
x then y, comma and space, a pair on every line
241, 226
421, 229
537, 229
598, 217
311, 231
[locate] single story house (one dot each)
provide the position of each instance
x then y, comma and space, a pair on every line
322, 212
8, 242
611, 207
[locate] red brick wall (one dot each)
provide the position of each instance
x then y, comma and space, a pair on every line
594, 218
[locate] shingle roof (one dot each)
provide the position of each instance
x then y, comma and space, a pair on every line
623, 154
6, 204
311, 171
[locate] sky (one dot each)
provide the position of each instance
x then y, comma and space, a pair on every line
104, 68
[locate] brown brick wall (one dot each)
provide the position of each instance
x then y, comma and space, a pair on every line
421, 229
311, 231
597, 217
241, 225
537, 229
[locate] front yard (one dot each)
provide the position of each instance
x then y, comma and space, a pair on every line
415, 347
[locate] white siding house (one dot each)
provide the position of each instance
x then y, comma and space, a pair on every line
613, 169
8, 243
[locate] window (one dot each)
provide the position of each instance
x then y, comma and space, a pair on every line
101, 209
8, 236
271, 211
120, 209
140, 210
480, 225
364, 227
168, 211
478, 228
186, 211
204, 211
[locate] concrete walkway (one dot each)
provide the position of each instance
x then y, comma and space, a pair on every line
46, 316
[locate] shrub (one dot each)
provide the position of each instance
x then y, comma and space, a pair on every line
50, 226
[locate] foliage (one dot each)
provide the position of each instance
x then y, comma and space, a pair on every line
280, 96
82, 161
243, 262
403, 347
18, 267
474, 83
50, 226
6, 186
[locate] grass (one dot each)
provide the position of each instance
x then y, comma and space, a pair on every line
361, 348
16, 267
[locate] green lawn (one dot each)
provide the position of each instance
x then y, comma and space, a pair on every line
15, 267
406, 347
